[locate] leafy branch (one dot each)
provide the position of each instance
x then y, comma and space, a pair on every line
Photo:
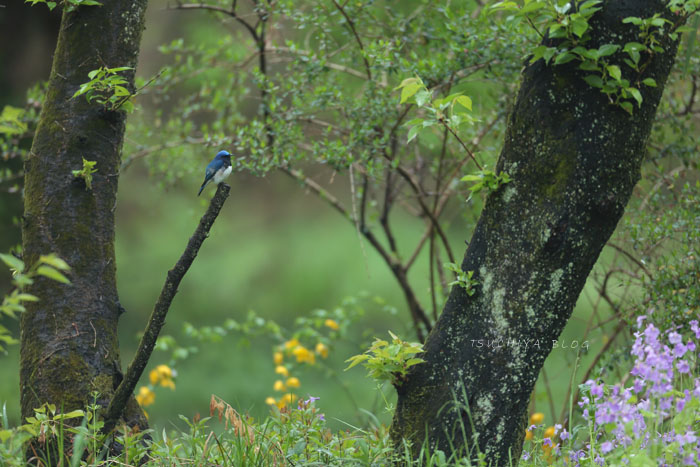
50, 266
108, 88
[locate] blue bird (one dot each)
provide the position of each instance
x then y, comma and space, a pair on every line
218, 169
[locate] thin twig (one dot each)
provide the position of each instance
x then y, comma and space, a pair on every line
231, 13
351, 25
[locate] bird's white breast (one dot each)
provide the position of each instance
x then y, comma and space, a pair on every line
221, 174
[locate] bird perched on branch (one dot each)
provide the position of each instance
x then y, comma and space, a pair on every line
217, 170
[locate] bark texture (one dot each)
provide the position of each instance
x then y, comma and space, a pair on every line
574, 160
69, 345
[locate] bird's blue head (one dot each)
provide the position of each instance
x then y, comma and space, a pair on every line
222, 154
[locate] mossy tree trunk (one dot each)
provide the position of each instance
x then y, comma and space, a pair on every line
69, 345
574, 159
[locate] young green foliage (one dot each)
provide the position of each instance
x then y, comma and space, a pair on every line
486, 179
86, 172
70, 5
50, 266
108, 88
604, 64
389, 361
11, 122
463, 278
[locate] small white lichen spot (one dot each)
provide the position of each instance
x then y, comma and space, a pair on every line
485, 407
499, 313
486, 279
509, 193
555, 281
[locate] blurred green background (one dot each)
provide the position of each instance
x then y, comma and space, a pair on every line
275, 250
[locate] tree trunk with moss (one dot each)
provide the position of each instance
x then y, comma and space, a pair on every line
69, 345
574, 159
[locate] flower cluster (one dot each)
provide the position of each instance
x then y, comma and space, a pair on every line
656, 416
545, 445
161, 375
296, 352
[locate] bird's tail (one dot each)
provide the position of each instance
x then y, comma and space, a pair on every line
201, 188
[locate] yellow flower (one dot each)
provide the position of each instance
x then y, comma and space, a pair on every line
332, 324
278, 386
322, 349
163, 375
549, 432
290, 344
277, 357
528, 435
280, 370
536, 418
145, 397
293, 382
270, 401
288, 398
304, 355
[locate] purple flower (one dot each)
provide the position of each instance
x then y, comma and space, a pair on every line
695, 328
680, 403
682, 366
526, 455
576, 456
322, 417
557, 428
606, 447
640, 321
674, 338
311, 399
599, 460
547, 442
679, 350
596, 389
564, 435
688, 438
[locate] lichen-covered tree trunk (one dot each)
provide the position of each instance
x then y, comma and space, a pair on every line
69, 345
574, 159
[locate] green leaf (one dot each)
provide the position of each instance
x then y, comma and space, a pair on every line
422, 97
464, 101
412, 133
636, 94
408, 91
627, 106
356, 360
26, 297
55, 261
52, 273
72, 414
406, 82
594, 80
579, 27
14, 263
614, 72
607, 49
563, 58
651, 82
633, 20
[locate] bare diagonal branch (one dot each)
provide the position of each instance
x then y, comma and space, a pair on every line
157, 320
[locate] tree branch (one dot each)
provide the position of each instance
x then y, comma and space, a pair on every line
231, 13
157, 320
351, 25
